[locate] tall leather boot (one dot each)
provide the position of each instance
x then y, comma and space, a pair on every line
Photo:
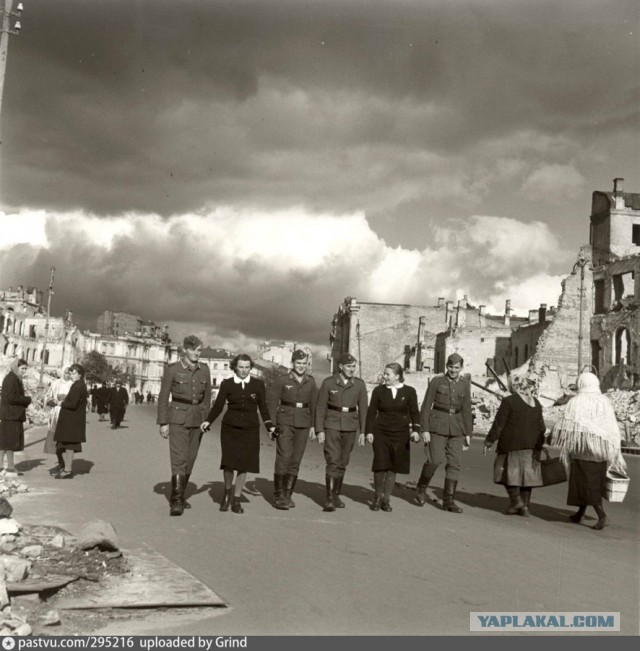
378, 483
331, 487
602, 518
226, 500
279, 501
516, 503
289, 485
186, 484
525, 495
336, 494
428, 470
448, 503
176, 501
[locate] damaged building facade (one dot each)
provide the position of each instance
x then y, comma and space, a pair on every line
615, 325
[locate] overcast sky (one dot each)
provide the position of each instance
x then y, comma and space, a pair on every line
236, 168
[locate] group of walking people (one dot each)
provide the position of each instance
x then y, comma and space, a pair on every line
338, 414
110, 400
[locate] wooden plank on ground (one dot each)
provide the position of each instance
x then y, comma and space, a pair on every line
153, 581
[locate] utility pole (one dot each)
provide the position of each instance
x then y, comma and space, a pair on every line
46, 328
7, 14
581, 263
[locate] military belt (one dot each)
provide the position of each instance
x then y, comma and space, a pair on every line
186, 402
451, 411
344, 410
298, 405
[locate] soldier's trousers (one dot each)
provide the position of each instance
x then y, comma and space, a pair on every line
337, 451
290, 447
442, 447
184, 443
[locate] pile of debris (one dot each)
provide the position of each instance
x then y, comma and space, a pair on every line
10, 485
626, 404
37, 561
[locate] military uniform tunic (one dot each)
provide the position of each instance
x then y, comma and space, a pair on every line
292, 403
190, 391
446, 414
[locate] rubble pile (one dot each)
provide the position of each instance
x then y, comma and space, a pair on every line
38, 560
10, 485
626, 404
484, 410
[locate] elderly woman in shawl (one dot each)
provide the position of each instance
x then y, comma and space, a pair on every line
588, 435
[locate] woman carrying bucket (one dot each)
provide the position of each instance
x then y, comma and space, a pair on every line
588, 435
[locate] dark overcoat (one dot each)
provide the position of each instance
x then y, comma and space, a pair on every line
72, 421
13, 402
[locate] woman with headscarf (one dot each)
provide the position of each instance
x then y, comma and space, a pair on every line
519, 429
245, 397
589, 437
56, 393
71, 428
13, 413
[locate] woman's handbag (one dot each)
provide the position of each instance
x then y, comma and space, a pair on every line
553, 470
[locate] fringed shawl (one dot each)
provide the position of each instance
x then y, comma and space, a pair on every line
588, 429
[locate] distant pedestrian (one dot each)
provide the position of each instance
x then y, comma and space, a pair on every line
292, 402
447, 424
149, 397
71, 429
519, 429
393, 419
56, 393
13, 414
102, 396
244, 397
94, 397
341, 413
118, 401
588, 436
188, 383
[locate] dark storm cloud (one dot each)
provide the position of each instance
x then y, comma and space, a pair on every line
171, 106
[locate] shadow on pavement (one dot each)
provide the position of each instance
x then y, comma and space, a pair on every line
29, 464
82, 466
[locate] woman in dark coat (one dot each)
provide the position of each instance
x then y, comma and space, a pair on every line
13, 408
519, 429
240, 431
71, 429
393, 418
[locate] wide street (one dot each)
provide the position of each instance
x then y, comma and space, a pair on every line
415, 571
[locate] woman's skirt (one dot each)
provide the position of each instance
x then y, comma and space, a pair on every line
240, 448
586, 482
12, 435
391, 451
517, 468
61, 446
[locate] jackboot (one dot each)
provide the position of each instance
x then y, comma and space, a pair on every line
602, 518
186, 484
336, 495
289, 485
516, 503
448, 503
428, 470
331, 487
226, 500
176, 501
279, 499
525, 495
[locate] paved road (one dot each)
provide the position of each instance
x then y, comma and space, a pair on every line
416, 571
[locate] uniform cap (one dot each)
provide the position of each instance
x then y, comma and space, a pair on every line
346, 358
454, 358
298, 354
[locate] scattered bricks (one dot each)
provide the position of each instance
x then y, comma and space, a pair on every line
5, 508
16, 568
32, 551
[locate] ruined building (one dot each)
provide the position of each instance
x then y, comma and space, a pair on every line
615, 325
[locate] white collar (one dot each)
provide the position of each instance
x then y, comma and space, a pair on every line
237, 380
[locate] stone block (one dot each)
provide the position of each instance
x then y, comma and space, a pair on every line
32, 551
9, 525
100, 534
5, 508
16, 568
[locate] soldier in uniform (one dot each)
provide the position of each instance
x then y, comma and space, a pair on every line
292, 401
447, 424
341, 413
189, 384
